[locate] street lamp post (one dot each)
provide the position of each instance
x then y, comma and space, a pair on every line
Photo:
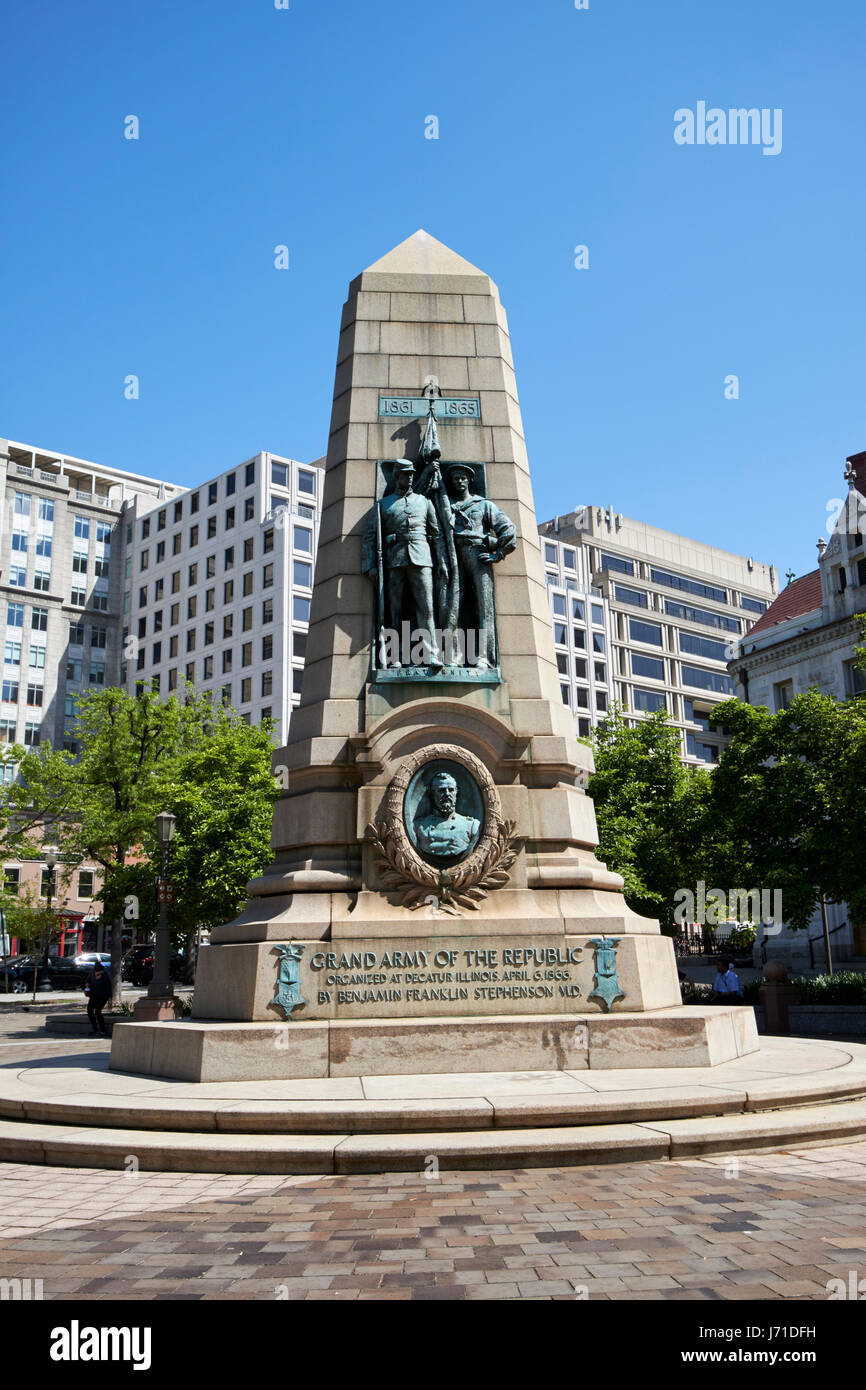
51, 857
161, 986
159, 1003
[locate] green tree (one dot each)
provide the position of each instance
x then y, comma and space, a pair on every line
140, 755
790, 792
650, 811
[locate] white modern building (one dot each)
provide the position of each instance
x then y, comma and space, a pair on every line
217, 587
647, 618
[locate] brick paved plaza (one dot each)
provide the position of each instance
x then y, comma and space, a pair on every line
768, 1226
781, 1228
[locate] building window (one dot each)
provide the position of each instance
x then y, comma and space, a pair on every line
784, 694
246, 690
229, 558
300, 609
44, 545
227, 660
39, 620
211, 528
207, 668
98, 636
580, 669
297, 679
229, 591
176, 543
249, 509
690, 586
267, 576
193, 502
267, 682
701, 615
9, 692
174, 615
192, 575
650, 633
230, 484
707, 680
303, 540
280, 474
15, 615
752, 604
247, 654
248, 583
702, 646
208, 635
193, 536
8, 729
76, 634
211, 494
306, 482
12, 653
635, 597
268, 610
209, 600
617, 563
178, 511
230, 518
18, 576
299, 644
649, 700
228, 625
35, 694
647, 666
268, 541
249, 474
22, 504
268, 647
210, 567
172, 646
36, 658
81, 528
191, 604
246, 620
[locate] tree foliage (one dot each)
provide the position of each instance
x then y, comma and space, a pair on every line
139, 756
649, 808
790, 790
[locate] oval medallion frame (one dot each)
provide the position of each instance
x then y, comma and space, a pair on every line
394, 819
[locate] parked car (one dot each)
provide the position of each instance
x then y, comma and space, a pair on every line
137, 964
17, 978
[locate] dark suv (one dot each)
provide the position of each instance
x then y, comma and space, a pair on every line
137, 965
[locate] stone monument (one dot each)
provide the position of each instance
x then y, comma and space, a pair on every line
434, 902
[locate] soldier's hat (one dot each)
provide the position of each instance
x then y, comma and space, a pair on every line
460, 467
401, 465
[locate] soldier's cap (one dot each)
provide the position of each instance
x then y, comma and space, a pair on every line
460, 468
402, 465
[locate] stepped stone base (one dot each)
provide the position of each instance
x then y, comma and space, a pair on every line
197, 1051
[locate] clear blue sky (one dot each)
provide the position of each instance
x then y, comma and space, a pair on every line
306, 127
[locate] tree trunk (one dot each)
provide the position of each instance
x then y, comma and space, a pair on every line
189, 961
116, 957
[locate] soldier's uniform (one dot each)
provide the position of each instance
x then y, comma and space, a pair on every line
480, 527
410, 541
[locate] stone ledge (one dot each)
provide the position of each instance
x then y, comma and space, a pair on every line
196, 1050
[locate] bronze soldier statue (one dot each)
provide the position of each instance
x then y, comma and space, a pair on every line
483, 535
410, 549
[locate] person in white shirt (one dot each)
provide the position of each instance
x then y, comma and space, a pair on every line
726, 986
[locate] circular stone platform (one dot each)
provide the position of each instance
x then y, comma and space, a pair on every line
72, 1111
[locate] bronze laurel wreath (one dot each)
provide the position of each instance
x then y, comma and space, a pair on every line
462, 886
